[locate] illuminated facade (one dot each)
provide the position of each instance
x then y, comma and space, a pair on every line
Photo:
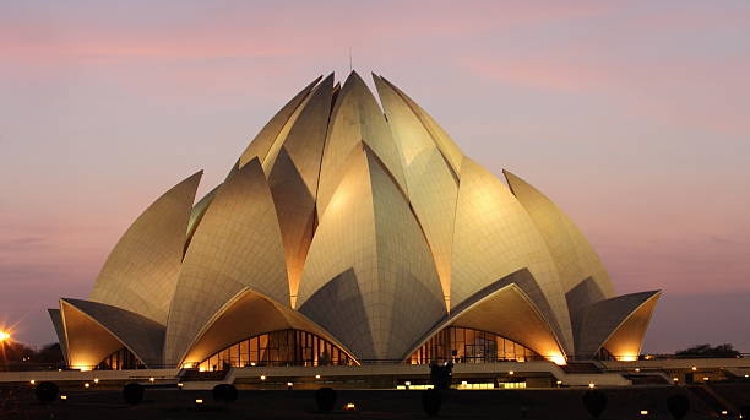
351, 231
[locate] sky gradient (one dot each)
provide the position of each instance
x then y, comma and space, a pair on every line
633, 116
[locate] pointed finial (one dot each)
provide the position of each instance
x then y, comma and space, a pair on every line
350, 60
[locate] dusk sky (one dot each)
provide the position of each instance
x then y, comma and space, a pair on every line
633, 116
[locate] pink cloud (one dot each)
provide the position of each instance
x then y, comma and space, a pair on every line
697, 92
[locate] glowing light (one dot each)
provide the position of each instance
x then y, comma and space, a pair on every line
628, 358
559, 382
644, 412
747, 376
407, 383
86, 385
317, 376
201, 369
82, 368
705, 378
350, 406
676, 379
4, 335
591, 385
151, 379
637, 370
198, 402
557, 359
693, 368
32, 382
724, 412
96, 381
63, 397
262, 377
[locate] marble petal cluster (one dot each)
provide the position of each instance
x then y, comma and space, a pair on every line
362, 224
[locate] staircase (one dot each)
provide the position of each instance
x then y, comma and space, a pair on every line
194, 375
713, 401
581, 367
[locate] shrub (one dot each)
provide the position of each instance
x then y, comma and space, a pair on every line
225, 393
431, 402
595, 402
325, 399
46, 392
678, 406
133, 393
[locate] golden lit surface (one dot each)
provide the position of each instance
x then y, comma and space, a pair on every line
242, 227
360, 245
431, 185
229, 327
262, 143
574, 257
89, 342
510, 312
141, 271
557, 359
625, 342
293, 178
494, 237
353, 215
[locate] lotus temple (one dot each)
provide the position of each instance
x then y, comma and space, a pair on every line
352, 231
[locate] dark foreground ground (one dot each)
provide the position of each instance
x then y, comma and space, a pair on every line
371, 404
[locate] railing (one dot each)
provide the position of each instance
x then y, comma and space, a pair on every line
6, 366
